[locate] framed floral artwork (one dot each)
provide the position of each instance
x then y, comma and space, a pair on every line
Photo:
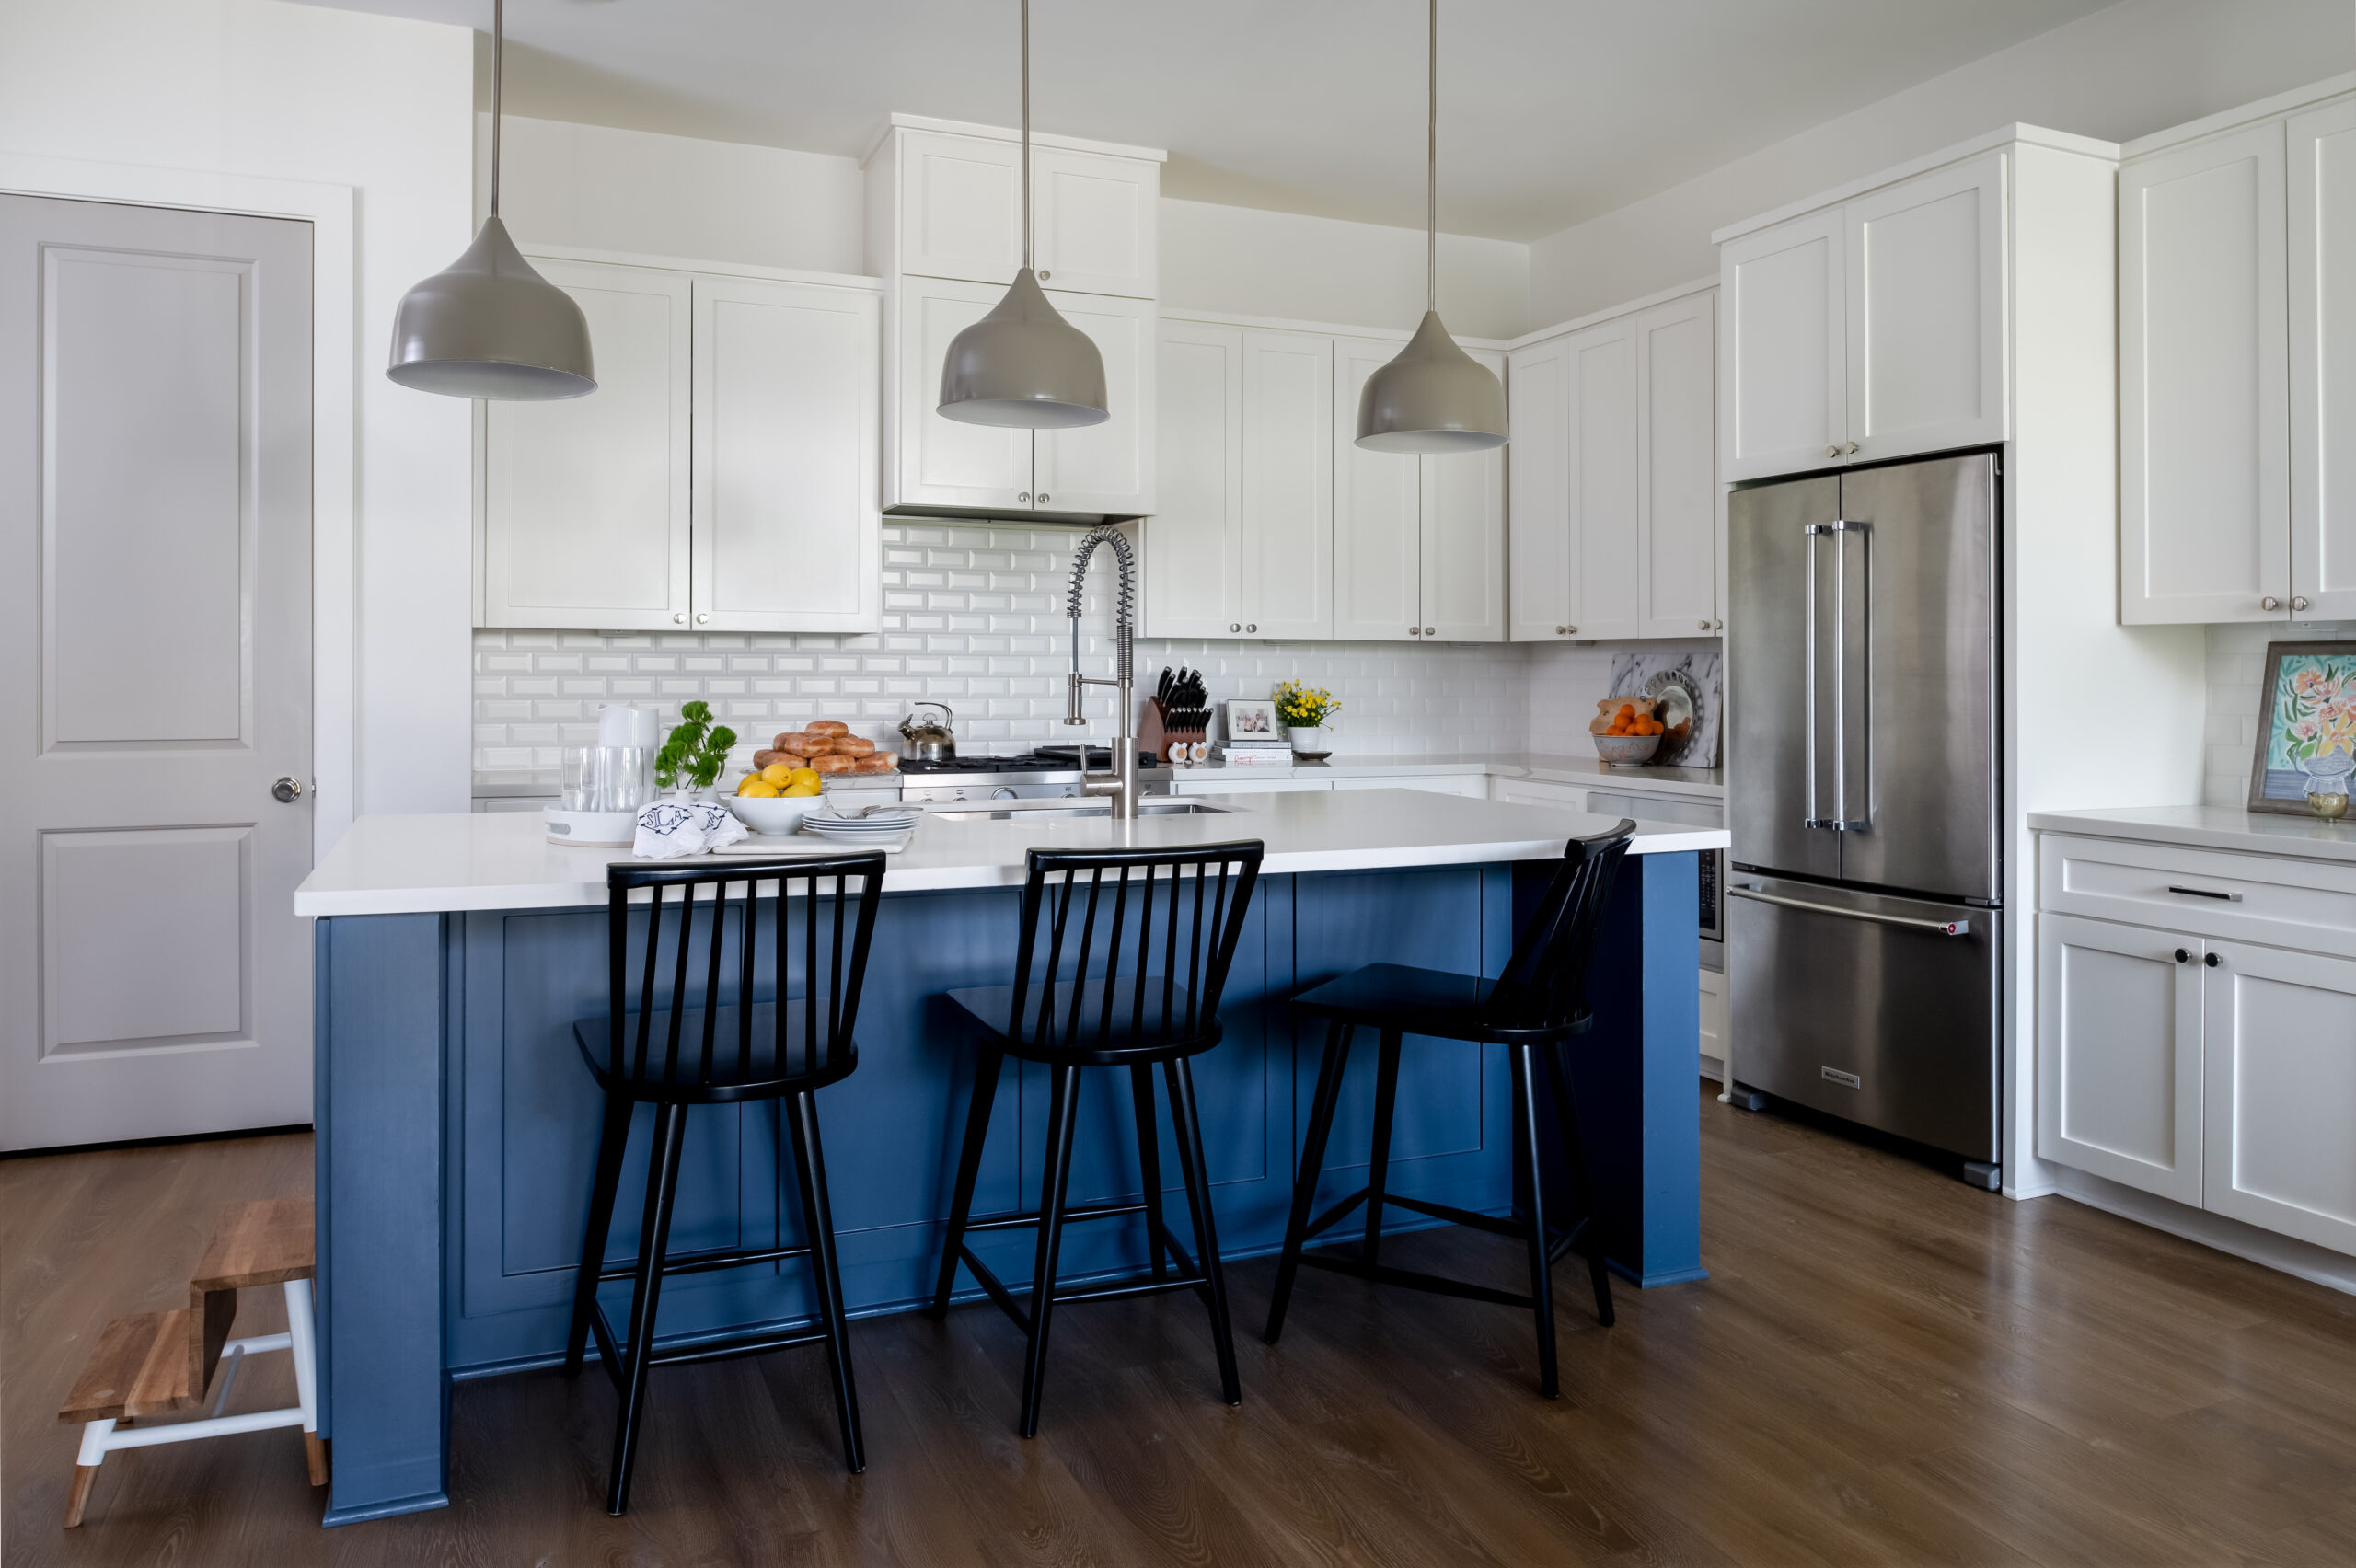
2306, 722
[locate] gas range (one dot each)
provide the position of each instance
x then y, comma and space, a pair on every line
1047, 773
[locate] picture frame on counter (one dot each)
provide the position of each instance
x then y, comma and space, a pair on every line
2307, 724
1253, 719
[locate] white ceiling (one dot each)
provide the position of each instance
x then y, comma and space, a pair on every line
1551, 110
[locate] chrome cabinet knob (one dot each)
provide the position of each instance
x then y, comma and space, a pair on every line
1414, 631
1253, 627
2182, 956
1024, 498
1429, 632
1717, 625
286, 791
1833, 452
1562, 632
1043, 276
1042, 498
1706, 626
1235, 626
2270, 603
1570, 631
2298, 601
681, 617
1852, 449
701, 619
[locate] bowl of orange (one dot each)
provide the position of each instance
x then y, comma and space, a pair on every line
1628, 733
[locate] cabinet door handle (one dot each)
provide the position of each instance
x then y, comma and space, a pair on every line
1833, 452
1570, 631
1043, 276
1562, 632
2270, 603
2212, 961
703, 619
681, 617
1937, 927
1024, 498
1042, 498
2208, 893
1706, 626
1253, 627
1235, 626
2298, 601
2182, 956
1852, 449
1414, 631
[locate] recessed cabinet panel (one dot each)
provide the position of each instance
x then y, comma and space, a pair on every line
2204, 440
585, 504
1784, 361
1097, 225
2280, 1042
2323, 361
1677, 466
1463, 567
2119, 1063
1926, 311
1604, 481
1378, 550
1544, 562
787, 443
961, 207
1194, 540
1288, 484
1105, 468
941, 461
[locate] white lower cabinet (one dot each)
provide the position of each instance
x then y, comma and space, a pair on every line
2216, 1072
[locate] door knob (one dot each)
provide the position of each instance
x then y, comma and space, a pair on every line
1253, 627
2182, 956
2212, 961
1562, 632
1431, 632
1852, 449
286, 791
1235, 626
2298, 601
700, 619
1042, 498
1024, 498
681, 617
1833, 452
1570, 631
2270, 603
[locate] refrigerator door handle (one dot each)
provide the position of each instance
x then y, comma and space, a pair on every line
1938, 927
1840, 821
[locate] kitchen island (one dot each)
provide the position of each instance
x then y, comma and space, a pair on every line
458, 1126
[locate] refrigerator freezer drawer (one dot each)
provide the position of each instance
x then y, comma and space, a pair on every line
1878, 1009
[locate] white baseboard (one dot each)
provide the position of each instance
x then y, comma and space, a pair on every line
2287, 1254
1712, 1067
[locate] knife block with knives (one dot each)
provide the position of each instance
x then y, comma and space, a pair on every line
1177, 714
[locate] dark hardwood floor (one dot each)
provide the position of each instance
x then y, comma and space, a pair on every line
1886, 1366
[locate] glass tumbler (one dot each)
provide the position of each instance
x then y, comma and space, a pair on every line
606, 779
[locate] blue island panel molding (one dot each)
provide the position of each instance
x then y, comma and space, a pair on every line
458, 1126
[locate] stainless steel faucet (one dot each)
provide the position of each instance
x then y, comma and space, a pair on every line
1122, 783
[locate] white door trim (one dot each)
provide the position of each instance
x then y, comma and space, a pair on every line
335, 280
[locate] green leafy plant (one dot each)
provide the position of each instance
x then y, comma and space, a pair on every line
695, 750
1303, 708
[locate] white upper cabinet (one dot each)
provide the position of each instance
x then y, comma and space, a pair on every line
960, 207
1677, 530
1097, 223
788, 417
1195, 541
1463, 565
1784, 367
1378, 544
2323, 359
1539, 535
942, 462
1287, 582
1926, 331
1106, 467
1867, 331
585, 499
1607, 550
2204, 383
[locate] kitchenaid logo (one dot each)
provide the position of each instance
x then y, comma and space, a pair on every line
1846, 1080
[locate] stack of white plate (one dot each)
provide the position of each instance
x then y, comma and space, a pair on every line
877, 824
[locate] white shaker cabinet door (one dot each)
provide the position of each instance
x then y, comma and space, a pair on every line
1538, 470
1607, 572
1105, 468
1378, 549
2203, 386
788, 398
1193, 542
943, 462
1288, 485
1463, 565
961, 206
2323, 363
2118, 1052
1785, 359
2281, 1095
1677, 401
1925, 275
586, 517
1096, 227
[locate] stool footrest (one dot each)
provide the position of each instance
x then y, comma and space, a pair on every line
706, 1263
609, 1355
1436, 1285
1077, 1211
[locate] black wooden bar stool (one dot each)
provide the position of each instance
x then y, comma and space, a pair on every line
1123, 960
1538, 1003
714, 1047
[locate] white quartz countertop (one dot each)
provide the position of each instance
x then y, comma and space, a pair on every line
2211, 828
406, 865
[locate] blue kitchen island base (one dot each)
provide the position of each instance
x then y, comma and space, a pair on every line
458, 1126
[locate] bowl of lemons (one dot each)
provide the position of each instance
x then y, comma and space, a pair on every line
772, 799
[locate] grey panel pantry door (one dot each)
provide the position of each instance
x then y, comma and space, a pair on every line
155, 671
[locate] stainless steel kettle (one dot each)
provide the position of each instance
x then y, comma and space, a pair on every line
929, 739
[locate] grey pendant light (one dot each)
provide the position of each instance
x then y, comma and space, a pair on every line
1434, 396
1023, 366
488, 326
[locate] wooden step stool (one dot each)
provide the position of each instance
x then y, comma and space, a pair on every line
154, 1362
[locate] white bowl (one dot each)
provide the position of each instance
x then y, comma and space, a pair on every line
771, 814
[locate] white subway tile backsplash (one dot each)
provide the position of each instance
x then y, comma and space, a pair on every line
2237, 668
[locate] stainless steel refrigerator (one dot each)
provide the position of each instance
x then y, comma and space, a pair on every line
1865, 792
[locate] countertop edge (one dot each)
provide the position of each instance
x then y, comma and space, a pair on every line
2209, 827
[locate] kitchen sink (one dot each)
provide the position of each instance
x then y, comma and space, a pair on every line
1009, 811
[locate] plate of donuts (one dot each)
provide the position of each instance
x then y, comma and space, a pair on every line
827, 746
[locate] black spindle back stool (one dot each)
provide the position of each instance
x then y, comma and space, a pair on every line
674, 1046
1124, 957
1539, 1003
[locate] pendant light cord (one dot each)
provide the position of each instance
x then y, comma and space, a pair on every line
1026, 135
498, 45
1431, 166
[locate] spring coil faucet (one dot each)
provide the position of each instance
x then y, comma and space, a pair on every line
1122, 782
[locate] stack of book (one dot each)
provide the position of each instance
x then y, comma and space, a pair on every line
1257, 754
